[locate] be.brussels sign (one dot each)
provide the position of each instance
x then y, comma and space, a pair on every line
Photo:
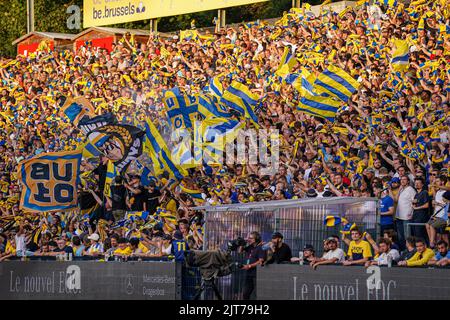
50, 181
87, 280
294, 282
106, 12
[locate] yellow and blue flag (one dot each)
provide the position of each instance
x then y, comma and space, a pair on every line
181, 110
196, 194
400, 56
157, 149
187, 35
209, 106
50, 181
215, 86
331, 221
111, 174
77, 108
319, 106
287, 63
135, 215
239, 97
336, 82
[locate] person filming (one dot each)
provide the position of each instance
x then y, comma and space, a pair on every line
255, 256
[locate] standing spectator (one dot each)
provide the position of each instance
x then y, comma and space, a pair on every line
421, 257
179, 246
386, 209
420, 209
118, 199
438, 220
404, 212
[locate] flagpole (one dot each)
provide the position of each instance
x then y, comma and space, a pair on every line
30, 16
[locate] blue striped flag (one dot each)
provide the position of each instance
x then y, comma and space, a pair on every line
336, 82
319, 106
400, 56
160, 154
239, 97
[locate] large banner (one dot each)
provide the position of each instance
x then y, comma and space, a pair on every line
106, 12
50, 181
295, 282
33, 280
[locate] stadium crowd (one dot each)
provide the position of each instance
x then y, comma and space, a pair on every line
391, 140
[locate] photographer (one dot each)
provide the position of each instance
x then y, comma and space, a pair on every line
255, 256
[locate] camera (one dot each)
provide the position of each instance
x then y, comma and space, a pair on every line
233, 245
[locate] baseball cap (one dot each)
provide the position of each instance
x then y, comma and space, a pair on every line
277, 235
395, 180
308, 247
331, 239
94, 237
311, 193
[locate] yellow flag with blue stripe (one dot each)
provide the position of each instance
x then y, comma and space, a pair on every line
336, 82
239, 97
215, 86
400, 56
287, 63
111, 174
158, 150
319, 106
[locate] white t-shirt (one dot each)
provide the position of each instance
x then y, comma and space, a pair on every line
404, 207
439, 203
383, 258
337, 253
20, 243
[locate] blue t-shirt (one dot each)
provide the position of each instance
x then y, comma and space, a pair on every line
178, 249
439, 256
385, 203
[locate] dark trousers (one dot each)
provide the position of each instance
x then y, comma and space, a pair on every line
420, 231
249, 286
401, 225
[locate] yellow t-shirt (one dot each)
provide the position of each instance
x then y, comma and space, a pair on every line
123, 252
9, 249
359, 251
143, 248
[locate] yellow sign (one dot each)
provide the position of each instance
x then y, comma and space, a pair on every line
106, 12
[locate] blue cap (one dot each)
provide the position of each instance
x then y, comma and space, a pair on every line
395, 180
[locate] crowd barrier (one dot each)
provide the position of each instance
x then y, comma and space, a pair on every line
295, 282
88, 280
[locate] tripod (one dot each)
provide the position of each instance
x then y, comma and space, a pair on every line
210, 283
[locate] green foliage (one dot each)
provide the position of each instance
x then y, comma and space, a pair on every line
13, 24
51, 16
